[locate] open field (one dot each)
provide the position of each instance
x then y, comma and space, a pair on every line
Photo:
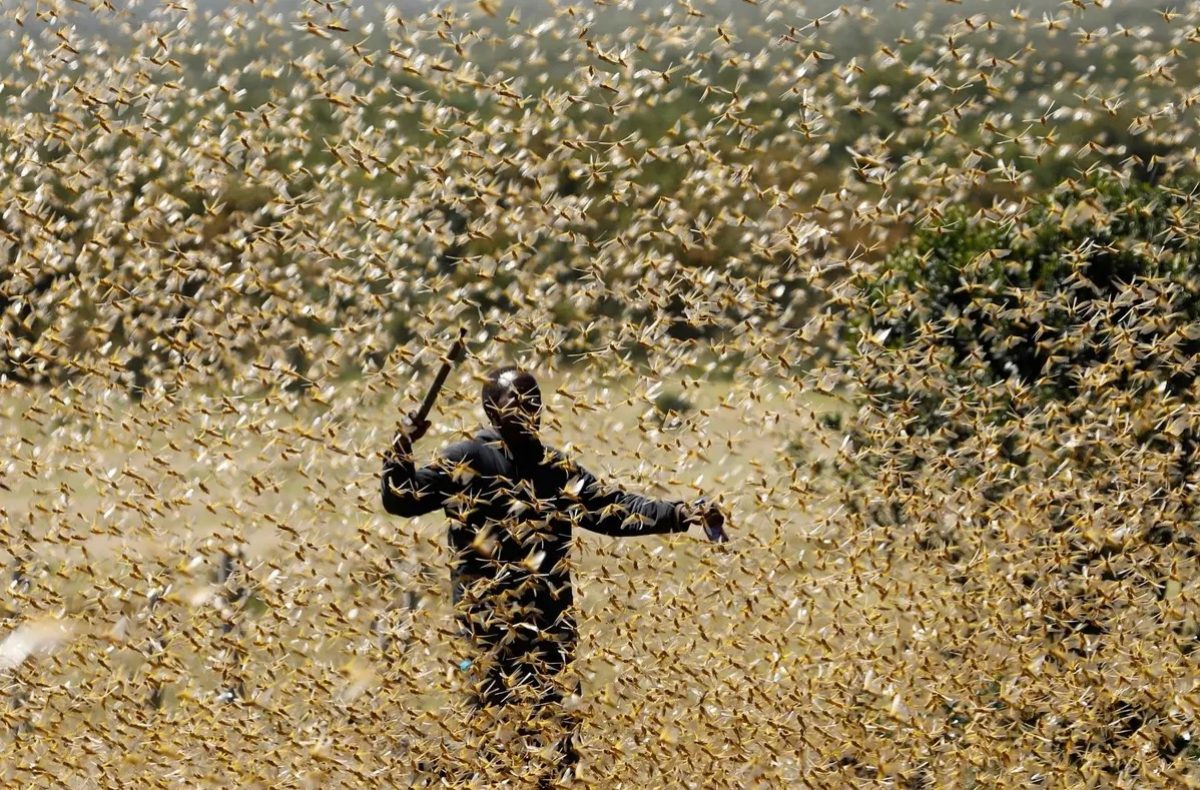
126, 512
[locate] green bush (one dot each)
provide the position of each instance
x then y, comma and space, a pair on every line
1002, 349
1095, 289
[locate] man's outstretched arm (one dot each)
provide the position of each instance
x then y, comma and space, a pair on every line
611, 511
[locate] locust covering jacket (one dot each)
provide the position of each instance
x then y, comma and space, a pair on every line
512, 514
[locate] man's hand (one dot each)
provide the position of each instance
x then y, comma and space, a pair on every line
409, 432
707, 514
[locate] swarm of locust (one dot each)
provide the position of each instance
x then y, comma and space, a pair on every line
233, 238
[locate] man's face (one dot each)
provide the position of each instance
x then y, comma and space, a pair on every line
517, 415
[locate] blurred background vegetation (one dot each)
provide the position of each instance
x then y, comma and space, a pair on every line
903, 107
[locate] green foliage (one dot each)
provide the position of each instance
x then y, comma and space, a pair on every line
1099, 275
1002, 348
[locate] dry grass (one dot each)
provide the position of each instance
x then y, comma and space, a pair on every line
121, 521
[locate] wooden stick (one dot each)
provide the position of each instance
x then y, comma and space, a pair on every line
452, 357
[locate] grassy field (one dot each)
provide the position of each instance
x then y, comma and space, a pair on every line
122, 515
205, 591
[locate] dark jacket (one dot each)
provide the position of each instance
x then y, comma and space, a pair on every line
512, 514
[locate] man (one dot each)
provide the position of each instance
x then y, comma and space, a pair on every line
513, 504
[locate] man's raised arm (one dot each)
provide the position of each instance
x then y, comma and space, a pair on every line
409, 491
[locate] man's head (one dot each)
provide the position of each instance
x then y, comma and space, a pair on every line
513, 403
